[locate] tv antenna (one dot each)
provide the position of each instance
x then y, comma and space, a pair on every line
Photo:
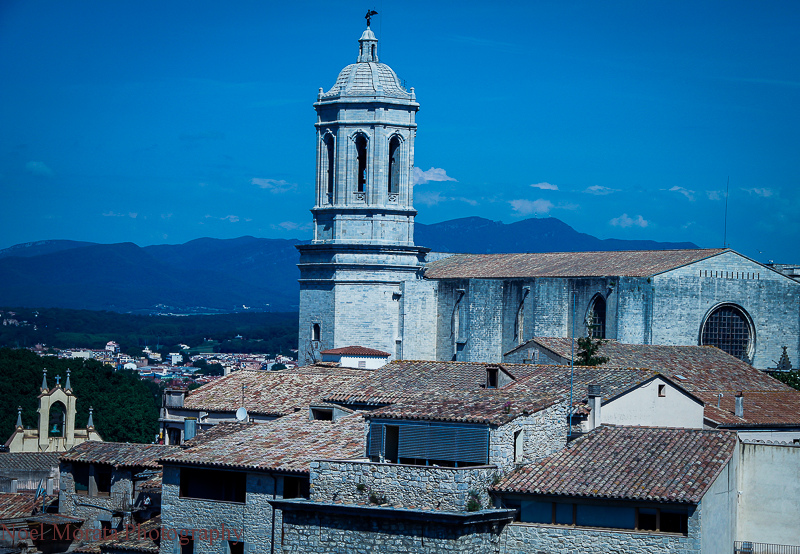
725, 229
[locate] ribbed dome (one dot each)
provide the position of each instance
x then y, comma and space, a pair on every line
367, 79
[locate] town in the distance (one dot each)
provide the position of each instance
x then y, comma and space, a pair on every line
639, 401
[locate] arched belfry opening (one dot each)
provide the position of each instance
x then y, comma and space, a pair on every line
328, 164
394, 165
361, 162
57, 419
597, 314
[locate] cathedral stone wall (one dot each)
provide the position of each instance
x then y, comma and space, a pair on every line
685, 296
419, 320
550, 316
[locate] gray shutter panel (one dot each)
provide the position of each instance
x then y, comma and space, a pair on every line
442, 444
473, 445
413, 441
375, 439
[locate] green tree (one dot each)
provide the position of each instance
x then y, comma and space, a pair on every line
589, 346
791, 378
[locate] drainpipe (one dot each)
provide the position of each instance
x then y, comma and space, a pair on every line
738, 410
595, 403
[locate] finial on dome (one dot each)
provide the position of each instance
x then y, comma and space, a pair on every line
68, 385
90, 422
368, 44
44, 380
19, 417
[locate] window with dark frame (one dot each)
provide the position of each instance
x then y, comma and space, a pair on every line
296, 487
662, 390
316, 331
235, 547
491, 378
206, 484
102, 479
80, 476
186, 544
598, 330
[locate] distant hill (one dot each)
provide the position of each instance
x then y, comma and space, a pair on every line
477, 235
224, 275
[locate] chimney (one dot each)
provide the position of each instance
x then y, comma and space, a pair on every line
49, 486
595, 402
738, 411
14, 488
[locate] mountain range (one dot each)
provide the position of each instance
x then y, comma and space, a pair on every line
224, 275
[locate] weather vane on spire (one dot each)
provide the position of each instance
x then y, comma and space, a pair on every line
369, 15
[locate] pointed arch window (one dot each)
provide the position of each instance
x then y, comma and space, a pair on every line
329, 165
316, 332
598, 315
361, 163
394, 165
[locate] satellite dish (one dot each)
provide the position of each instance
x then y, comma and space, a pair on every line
241, 414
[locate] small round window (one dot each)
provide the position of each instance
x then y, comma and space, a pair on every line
728, 328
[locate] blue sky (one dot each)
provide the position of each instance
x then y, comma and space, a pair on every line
161, 122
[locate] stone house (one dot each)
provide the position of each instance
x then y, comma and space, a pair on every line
101, 482
226, 482
607, 492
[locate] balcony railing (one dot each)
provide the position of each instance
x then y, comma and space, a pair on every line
746, 547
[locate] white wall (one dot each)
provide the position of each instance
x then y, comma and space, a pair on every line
643, 406
769, 504
718, 511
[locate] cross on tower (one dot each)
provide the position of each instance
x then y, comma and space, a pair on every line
58, 380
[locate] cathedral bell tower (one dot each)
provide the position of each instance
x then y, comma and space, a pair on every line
354, 272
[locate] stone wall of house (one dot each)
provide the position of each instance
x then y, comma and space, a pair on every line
418, 322
331, 533
544, 433
253, 519
525, 538
407, 486
72, 504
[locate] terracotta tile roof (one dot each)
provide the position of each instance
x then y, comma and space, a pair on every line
632, 463
118, 454
30, 461
21, 504
761, 409
641, 263
405, 380
704, 371
288, 443
271, 392
135, 539
356, 351
489, 406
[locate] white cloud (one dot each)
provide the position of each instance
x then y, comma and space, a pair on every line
763, 192
166, 216
132, 215
686, 192
600, 190
625, 221
112, 214
433, 174
545, 186
276, 186
527, 207
715, 194
231, 218
40, 169
292, 226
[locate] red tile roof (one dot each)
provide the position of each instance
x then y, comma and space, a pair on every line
271, 392
489, 406
28, 461
356, 351
118, 454
705, 371
135, 539
641, 263
288, 443
631, 463
21, 504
